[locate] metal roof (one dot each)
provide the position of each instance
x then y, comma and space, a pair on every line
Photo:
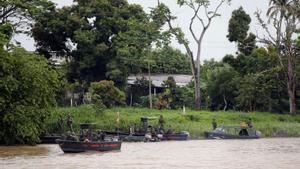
158, 79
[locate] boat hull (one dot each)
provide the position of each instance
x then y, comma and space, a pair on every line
179, 136
212, 135
68, 146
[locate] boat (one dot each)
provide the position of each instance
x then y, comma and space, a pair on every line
137, 135
142, 135
71, 144
184, 135
233, 132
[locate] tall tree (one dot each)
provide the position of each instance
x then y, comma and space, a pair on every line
238, 31
221, 85
163, 14
284, 16
104, 35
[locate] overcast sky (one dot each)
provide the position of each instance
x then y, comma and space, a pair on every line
215, 44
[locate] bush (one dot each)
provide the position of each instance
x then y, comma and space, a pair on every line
105, 92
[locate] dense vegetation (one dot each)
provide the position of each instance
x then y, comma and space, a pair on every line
271, 125
28, 87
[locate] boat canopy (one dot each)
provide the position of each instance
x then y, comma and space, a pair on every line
86, 125
236, 127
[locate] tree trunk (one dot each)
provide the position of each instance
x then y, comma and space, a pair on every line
291, 86
225, 103
278, 38
197, 93
292, 100
198, 72
270, 107
131, 98
150, 93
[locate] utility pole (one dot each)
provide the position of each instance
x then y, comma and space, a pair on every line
150, 93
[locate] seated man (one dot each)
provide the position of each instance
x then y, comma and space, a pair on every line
243, 132
249, 123
161, 130
170, 131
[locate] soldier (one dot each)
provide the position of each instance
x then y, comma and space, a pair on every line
214, 124
131, 129
249, 123
70, 122
161, 121
61, 124
170, 130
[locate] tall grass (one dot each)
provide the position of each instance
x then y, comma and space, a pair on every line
196, 122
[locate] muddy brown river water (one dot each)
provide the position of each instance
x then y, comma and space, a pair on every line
281, 153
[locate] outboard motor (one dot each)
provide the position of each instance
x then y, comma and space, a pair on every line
258, 133
185, 132
148, 137
160, 136
115, 138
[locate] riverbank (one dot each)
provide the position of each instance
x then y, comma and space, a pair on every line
196, 122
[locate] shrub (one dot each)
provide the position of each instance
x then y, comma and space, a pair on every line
106, 93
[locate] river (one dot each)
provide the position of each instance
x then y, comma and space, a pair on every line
281, 153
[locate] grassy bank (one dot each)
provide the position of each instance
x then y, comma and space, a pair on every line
196, 122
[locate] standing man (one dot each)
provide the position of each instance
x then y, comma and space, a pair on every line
161, 121
61, 124
70, 122
214, 124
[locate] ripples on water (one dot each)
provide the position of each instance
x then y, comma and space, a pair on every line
283, 153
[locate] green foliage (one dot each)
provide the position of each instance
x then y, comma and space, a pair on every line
175, 97
238, 25
171, 96
260, 82
253, 84
27, 89
260, 59
139, 89
170, 61
260, 91
165, 99
248, 44
6, 32
105, 92
238, 31
221, 86
144, 101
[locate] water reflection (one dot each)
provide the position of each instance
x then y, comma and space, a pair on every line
261, 153
12, 151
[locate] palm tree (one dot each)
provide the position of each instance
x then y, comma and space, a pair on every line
281, 9
286, 11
